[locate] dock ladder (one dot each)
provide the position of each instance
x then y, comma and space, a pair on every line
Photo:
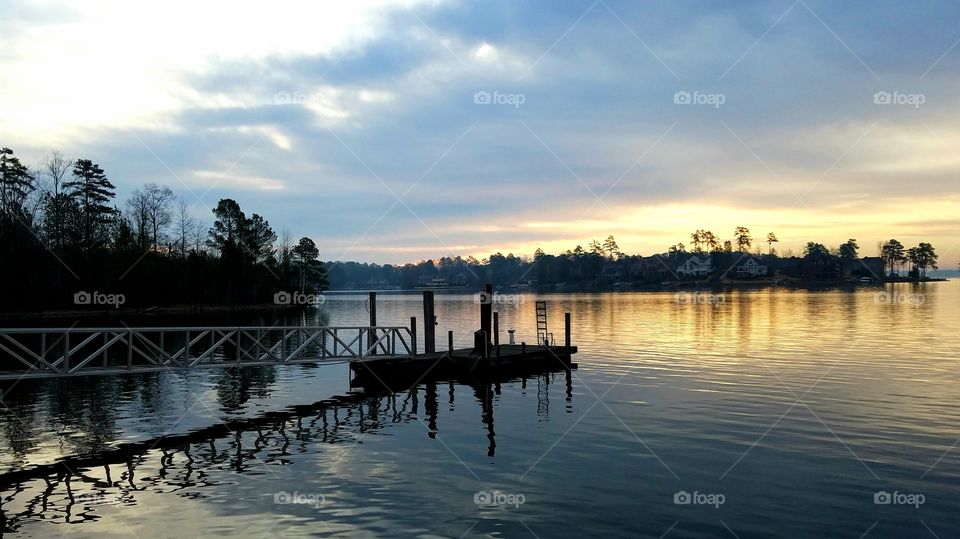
543, 337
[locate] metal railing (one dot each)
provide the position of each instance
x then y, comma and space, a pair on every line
53, 352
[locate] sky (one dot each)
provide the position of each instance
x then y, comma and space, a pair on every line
396, 131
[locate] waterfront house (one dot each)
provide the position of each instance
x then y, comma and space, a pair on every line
750, 268
696, 266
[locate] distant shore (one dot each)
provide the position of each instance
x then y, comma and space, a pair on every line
207, 310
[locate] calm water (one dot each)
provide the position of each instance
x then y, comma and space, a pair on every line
778, 413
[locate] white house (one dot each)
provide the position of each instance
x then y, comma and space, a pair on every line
751, 268
696, 266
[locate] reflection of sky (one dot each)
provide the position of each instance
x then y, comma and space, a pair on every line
316, 115
697, 383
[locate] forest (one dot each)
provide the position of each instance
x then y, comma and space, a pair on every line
65, 241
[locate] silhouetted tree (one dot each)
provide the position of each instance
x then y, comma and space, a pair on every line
771, 239
91, 190
893, 254
849, 250
741, 236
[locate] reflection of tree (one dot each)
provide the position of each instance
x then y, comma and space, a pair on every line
87, 410
236, 386
18, 414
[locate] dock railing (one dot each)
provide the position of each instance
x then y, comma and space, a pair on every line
53, 352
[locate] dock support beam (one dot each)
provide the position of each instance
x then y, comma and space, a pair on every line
373, 319
429, 323
413, 335
486, 311
496, 335
566, 332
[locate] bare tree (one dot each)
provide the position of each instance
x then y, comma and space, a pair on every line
184, 226
138, 212
150, 214
54, 171
198, 236
160, 197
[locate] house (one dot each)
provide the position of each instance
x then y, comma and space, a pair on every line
750, 268
696, 266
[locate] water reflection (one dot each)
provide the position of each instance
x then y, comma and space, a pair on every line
77, 488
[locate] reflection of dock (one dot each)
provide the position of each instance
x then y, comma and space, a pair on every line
73, 489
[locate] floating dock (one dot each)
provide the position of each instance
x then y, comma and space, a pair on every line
393, 373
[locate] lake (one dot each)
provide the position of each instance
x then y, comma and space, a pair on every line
752, 413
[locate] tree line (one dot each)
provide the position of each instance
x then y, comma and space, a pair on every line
62, 230
603, 262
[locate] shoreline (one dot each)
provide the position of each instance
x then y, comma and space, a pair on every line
212, 309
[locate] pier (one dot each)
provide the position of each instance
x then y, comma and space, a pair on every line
382, 356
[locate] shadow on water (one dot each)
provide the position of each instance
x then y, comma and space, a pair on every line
71, 489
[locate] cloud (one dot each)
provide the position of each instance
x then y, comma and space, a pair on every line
320, 116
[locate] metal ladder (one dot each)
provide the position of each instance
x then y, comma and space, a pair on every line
543, 337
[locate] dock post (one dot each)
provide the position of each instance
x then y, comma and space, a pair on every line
450, 343
566, 332
429, 323
523, 349
413, 335
486, 310
373, 319
496, 335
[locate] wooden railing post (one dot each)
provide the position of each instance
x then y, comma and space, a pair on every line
413, 335
373, 317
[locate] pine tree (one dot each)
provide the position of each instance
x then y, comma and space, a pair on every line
92, 191
16, 183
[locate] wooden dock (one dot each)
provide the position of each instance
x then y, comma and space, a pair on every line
394, 373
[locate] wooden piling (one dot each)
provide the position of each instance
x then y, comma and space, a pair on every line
486, 311
450, 343
429, 323
496, 335
566, 332
373, 318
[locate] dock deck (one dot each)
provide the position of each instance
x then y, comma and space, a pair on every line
395, 372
